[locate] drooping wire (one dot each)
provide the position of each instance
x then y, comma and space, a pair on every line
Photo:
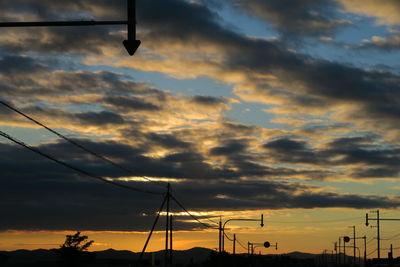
391, 238
90, 152
226, 235
190, 214
240, 243
77, 144
95, 154
237, 240
67, 165
372, 252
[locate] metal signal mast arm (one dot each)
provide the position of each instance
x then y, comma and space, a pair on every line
131, 44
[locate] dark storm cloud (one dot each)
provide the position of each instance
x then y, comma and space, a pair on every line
354, 150
168, 141
76, 40
22, 75
44, 196
287, 150
19, 65
376, 160
383, 172
128, 104
230, 147
295, 18
98, 118
208, 100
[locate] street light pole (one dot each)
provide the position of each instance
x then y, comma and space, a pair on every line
131, 44
230, 220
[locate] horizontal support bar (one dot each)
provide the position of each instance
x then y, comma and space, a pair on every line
62, 23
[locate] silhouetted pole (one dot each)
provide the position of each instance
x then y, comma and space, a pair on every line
336, 252
219, 235
365, 250
170, 240
377, 219
378, 236
234, 244
354, 245
340, 260
247, 220
152, 229
166, 262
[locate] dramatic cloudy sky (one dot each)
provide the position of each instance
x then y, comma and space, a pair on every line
289, 108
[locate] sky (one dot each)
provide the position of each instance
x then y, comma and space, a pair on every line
287, 108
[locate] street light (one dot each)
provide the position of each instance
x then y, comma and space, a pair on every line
266, 244
131, 44
222, 229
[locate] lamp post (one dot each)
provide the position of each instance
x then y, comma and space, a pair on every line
346, 239
222, 229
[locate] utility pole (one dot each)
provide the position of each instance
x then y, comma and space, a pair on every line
336, 252
378, 235
170, 240
340, 261
365, 250
354, 245
166, 255
131, 44
219, 235
234, 244
377, 219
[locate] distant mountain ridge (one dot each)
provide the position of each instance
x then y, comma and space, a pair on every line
196, 254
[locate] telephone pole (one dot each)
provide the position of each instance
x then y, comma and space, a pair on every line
354, 244
167, 229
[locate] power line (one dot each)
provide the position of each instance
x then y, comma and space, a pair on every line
190, 214
88, 151
372, 252
75, 143
100, 178
391, 238
240, 243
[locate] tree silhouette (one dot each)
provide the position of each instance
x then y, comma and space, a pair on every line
74, 250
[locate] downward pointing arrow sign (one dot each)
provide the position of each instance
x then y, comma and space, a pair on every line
131, 44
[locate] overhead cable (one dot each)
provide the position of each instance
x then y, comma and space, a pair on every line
100, 178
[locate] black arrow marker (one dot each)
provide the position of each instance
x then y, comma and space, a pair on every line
131, 44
